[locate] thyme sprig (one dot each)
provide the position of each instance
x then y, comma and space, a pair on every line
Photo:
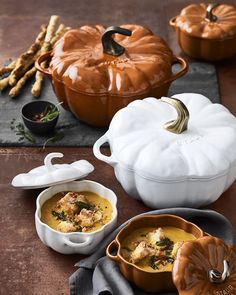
25, 135
57, 137
21, 131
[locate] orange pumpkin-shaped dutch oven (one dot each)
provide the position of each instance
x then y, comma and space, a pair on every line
207, 31
95, 73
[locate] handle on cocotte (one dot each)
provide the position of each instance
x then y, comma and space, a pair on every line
45, 57
110, 248
77, 245
97, 153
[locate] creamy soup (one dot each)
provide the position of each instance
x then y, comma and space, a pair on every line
76, 211
154, 249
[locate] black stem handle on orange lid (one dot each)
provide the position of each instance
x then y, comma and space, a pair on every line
110, 46
209, 12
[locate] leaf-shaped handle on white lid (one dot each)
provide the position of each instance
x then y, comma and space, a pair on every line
48, 160
181, 123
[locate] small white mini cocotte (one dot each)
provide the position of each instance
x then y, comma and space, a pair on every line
165, 169
74, 242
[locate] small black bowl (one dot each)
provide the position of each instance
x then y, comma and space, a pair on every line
34, 108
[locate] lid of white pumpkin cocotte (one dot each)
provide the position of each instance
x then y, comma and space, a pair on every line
142, 138
49, 174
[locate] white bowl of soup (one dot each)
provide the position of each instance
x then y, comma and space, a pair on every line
146, 249
74, 217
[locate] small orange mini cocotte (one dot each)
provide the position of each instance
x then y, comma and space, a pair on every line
206, 31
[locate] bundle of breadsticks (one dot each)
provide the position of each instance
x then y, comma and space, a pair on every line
19, 71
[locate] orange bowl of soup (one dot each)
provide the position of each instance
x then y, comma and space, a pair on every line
146, 249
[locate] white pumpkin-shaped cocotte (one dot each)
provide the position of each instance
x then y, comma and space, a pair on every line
167, 169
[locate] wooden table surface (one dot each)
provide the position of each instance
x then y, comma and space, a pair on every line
26, 265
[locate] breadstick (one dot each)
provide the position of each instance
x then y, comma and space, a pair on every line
27, 58
59, 33
16, 89
50, 31
36, 89
8, 68
4, 83
37, 44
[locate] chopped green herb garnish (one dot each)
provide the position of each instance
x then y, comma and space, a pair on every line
170, 259
152, 262
166, 242
59, 215
83, 205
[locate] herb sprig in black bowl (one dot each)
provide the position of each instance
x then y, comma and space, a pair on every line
40, 116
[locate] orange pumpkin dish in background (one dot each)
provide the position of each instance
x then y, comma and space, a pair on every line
76, 212
207, 31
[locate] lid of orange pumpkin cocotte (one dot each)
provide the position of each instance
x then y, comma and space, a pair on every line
205, 266
209, 21
118, 60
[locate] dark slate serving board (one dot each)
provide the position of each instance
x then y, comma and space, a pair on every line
201, 78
